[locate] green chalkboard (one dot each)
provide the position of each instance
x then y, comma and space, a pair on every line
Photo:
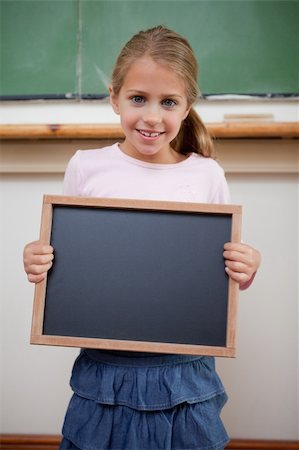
38, 47
68, 47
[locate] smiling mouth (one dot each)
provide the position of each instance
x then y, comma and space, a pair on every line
150, 134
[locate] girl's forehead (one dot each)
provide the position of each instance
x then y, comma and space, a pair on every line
147, 72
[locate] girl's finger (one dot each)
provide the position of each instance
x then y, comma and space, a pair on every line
237, 266
234, 255
37, 269
36, 278
39, 259
239, 277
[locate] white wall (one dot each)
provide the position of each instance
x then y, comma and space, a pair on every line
34, 379
262, 381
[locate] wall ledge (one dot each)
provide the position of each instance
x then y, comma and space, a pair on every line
225, 130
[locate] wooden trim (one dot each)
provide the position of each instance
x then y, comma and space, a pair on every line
61, 131
29, 442
261, 444
228, 348
51, 442
254, 130
224, 130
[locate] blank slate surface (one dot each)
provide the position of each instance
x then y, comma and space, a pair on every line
132, 275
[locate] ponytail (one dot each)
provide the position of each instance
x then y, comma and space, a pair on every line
193, 137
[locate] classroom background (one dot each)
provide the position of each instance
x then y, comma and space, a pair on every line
56, 60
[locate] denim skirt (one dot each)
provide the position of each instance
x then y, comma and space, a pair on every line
141, 401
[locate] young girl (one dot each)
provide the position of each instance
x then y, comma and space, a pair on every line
138, 401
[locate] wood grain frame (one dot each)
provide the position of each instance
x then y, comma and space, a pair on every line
40, 296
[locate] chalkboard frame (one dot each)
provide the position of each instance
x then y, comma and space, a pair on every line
50, 202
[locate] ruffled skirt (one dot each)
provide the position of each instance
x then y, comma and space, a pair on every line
129, 401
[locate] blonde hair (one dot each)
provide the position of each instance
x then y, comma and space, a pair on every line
173, 51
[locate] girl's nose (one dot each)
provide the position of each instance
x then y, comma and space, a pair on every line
152, 115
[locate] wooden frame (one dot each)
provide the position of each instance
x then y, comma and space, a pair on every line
158, 230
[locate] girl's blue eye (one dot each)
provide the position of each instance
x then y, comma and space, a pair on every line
169, 103
137, 99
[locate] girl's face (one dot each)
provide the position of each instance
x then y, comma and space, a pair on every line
152, 104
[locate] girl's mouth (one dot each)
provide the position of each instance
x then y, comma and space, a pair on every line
150, 134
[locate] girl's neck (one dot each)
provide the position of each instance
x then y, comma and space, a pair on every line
171, 157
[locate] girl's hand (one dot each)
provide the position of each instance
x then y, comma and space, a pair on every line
242, 262
37, 259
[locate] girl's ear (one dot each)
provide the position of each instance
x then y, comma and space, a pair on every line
113, 100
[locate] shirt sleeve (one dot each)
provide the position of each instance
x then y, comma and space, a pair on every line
72, 178
222, 194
